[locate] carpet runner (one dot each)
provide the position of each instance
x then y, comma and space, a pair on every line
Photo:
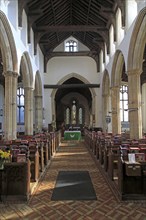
73, 185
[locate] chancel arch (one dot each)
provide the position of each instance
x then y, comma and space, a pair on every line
84, 99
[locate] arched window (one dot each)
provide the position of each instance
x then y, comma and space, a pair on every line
20, 105
124, 103
74, 112
71, 46
67, 116
80, 116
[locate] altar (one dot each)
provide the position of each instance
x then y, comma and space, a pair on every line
72, 135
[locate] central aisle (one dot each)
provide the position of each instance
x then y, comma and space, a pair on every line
73, 156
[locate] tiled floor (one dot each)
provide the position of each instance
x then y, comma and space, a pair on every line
73, 156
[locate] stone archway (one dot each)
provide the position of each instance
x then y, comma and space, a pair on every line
116, 76
10, 72
134, 69
28, 85
91, 90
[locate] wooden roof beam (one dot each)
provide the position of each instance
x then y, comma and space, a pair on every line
70, 28
68, 86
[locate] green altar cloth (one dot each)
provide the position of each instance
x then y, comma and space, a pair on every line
72, 135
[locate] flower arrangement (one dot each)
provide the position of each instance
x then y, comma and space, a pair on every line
4, 156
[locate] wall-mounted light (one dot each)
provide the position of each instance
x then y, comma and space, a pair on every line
1, 112
108, 119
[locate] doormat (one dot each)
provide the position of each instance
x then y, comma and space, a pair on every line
73, 185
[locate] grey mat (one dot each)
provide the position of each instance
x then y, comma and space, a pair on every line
73, 185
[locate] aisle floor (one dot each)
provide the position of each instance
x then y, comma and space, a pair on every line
73, 156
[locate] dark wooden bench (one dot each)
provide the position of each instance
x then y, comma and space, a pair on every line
16, 181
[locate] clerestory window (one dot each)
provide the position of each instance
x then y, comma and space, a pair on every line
71, 46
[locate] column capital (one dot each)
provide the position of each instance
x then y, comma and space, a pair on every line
105, 95
28, 88
38, 96
10, 73
134, 72
115, 87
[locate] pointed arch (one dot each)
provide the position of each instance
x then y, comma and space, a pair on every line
27, 72
106, 83
117, 68
38, 84
7, 45
75, 75
137, 43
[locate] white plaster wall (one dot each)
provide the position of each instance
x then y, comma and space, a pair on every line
140, 4
12, 13
59, 67
22, 44
3, 6
123, 47
131, 12
47, 107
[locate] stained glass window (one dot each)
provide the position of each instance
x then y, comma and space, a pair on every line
67, 116
80, 116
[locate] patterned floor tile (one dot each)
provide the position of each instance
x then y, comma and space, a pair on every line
73, 156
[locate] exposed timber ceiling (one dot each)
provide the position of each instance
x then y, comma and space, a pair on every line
53, 21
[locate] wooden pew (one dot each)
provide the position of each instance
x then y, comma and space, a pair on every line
101, 151
34, 159
112, 169
16, 181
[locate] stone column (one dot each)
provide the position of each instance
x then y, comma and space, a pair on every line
115, 100
28, 92
93, 110
8, 106
38, 113
104, 111
53, 114
134, 106
144, 107
14, 106
91, 119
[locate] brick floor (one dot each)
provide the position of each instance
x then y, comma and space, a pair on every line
73, 156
